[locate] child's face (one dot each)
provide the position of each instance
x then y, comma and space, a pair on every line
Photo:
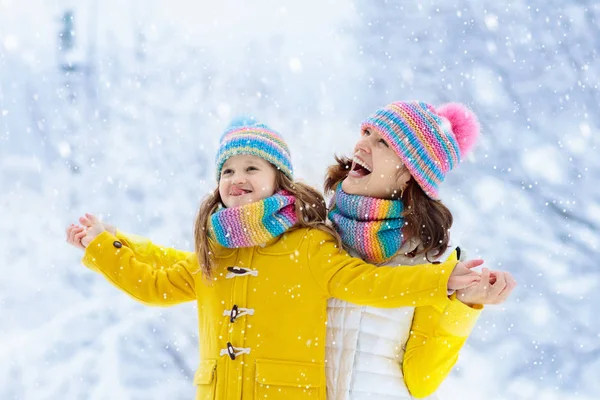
246, 179
382, 173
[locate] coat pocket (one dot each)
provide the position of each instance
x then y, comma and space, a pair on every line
289, 380
205, 380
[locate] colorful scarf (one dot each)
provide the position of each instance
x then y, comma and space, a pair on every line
370, 226
255, 223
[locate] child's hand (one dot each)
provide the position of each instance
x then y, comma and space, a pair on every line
462, 277
81, 235
93, 228
87, 222
74, 235
494, 288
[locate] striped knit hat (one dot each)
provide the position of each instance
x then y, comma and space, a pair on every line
430, 141
245, 135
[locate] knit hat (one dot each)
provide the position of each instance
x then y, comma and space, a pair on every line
245, 135
430, 141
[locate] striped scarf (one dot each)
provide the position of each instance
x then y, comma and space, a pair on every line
255, 223
370, 226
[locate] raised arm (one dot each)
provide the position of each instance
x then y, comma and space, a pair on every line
162, 286
355, 281
150, 253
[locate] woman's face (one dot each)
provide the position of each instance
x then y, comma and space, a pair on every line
246, 179
377, 171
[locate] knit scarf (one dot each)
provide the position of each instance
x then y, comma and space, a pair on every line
255, 223
370, 226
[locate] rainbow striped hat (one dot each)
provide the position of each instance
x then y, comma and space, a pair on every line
246, 136
430, 141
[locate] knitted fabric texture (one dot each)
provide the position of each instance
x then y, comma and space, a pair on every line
246, 136
255, 223
429, 141
370, 226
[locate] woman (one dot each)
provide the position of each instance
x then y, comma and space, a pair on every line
386, 208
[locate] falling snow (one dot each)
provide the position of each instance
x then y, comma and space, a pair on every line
116, 108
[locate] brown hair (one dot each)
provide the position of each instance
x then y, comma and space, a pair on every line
424, 218
310, 210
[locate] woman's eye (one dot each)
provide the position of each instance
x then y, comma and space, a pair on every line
384, 143
366, 133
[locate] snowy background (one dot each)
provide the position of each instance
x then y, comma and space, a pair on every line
115, 107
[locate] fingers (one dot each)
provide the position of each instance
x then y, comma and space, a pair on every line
482, 285
85, 221
473, 284
511, 283
492, 277
462, 282
74, 235
73, 230
463, 276
485, 278
471, 263
512, 280
499, 285
78, 238
93, 219
68, 231
80, 234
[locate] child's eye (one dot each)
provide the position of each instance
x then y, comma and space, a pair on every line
366, 132
226, 172
251, 169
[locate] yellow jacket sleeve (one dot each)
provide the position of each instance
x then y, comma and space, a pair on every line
161, 286
438, 333
149, 253
353, 280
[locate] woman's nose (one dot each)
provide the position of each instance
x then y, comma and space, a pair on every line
363, 145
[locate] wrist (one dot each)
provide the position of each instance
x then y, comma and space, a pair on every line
466, 302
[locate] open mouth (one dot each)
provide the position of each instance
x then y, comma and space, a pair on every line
359, 168
236, 191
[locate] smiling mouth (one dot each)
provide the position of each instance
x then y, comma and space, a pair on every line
236, 191
359, 168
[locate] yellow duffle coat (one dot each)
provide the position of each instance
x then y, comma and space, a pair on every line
262, 318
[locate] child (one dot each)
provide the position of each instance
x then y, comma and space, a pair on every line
385, 207
264, 266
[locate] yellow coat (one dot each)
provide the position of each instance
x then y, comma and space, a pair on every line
275, 347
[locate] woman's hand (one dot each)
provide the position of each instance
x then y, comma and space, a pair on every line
493, 288
462, 277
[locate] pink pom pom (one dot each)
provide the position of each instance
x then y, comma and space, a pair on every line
465, 125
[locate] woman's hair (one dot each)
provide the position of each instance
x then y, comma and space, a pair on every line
424, 218
310, 210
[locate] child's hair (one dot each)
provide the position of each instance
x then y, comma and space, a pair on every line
310, 210
427, 219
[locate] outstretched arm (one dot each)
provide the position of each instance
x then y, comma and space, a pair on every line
353, 280
155, 279
164, 286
